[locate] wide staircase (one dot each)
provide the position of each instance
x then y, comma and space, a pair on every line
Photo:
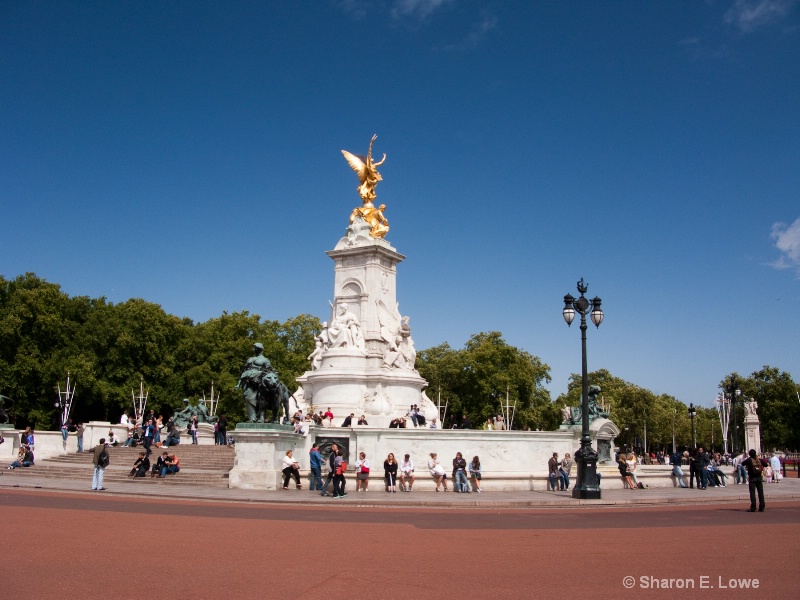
205, 465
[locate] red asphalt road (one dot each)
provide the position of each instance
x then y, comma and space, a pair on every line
95, 546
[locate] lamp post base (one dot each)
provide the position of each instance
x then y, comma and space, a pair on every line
587, 486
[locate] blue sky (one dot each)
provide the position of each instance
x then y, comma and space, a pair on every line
188, 153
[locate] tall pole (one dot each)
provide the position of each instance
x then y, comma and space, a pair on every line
587, 486
732, 391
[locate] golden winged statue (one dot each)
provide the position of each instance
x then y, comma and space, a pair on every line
368, 175
367, 171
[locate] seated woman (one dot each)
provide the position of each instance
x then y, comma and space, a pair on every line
390, 473
437, 471
291, 468
627, 480
475, 472
715, 475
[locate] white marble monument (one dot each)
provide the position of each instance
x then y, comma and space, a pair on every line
363, 363
752, 427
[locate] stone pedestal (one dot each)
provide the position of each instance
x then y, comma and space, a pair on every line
260, 448
752, 433
603, 433
357, 379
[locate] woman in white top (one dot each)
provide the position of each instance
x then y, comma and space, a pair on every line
362, 472
632, 463
437, 472
290, 469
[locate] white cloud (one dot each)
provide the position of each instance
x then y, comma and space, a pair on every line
787, 241
749, 15
419, 9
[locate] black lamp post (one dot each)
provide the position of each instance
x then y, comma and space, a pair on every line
733, 391
692, 415
587, 485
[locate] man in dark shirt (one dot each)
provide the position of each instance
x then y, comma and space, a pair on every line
755, 467
141, 466
222, 430
331, 468
99, 453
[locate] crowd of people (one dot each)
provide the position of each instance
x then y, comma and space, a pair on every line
396, 474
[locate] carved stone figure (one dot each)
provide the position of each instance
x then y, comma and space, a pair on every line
750, 407
345, 330
409, 352
316, 356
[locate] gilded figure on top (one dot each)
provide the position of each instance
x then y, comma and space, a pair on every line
367, 171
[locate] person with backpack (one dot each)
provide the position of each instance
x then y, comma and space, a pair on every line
100, 461
755, 468
339, 482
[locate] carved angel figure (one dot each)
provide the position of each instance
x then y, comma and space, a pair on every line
367, 172
400, 352
390, 321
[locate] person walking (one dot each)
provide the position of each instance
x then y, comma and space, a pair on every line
755, 468
340, 468
331, 469
100, 461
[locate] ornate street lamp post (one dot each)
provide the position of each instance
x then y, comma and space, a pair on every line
587, 485
692, 415
733, 392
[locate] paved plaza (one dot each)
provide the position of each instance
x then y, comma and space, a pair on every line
64, 541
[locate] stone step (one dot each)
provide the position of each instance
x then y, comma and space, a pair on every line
111, 475
208, 458
204, 465
215, 465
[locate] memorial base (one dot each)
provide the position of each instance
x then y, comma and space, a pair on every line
260, 448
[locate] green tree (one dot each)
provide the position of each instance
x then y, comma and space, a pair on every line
477, 380
778, 406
